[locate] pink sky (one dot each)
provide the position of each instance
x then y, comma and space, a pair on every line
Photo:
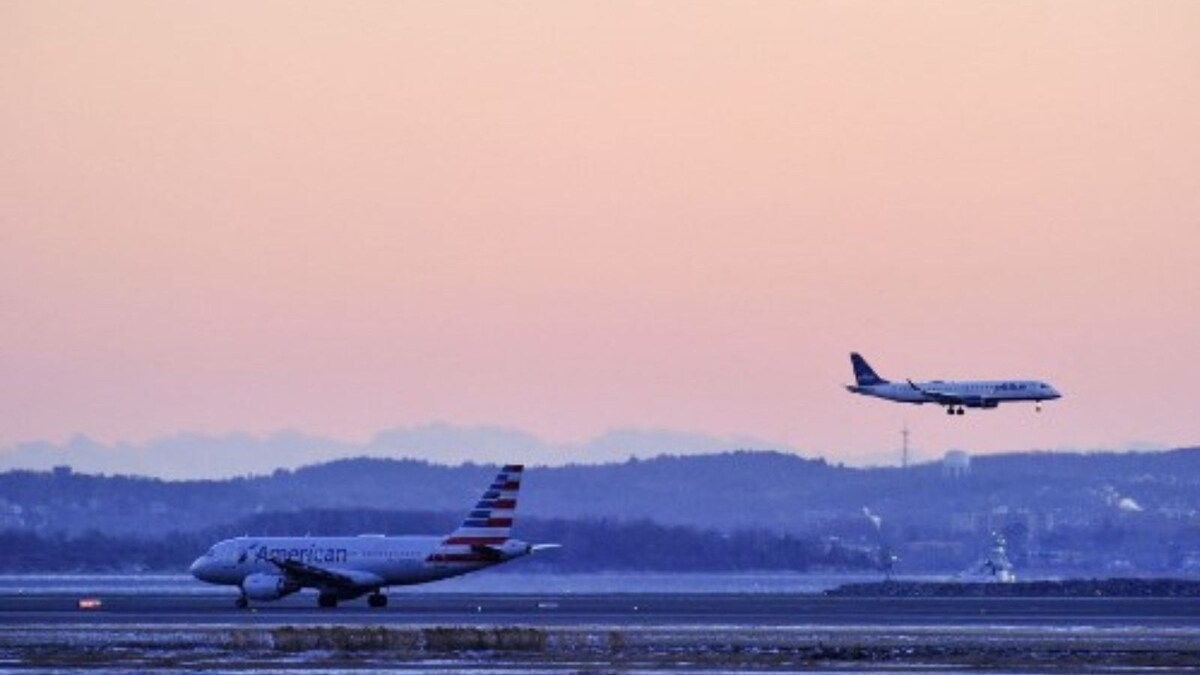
337, 217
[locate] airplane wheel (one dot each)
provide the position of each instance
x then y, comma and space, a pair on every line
961, 412
949, 411
377, 600
327, 600
241, 603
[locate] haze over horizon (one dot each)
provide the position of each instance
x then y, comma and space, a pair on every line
187, 456
569, 217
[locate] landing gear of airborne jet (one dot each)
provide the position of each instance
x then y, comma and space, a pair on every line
377, 600
1038, 407
327, 601
241, 602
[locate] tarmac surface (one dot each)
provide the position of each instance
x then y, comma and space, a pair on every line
633, 633
624, 609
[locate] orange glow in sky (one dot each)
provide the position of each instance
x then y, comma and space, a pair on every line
337, 217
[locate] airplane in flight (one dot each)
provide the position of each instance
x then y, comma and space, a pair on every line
955, 395
345, 568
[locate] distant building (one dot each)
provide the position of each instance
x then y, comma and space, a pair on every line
964, 522
11, 515
956, 464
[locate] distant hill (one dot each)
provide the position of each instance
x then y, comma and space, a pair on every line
1129, 510
729, 490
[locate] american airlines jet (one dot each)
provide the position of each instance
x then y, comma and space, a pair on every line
954, 395
344, 568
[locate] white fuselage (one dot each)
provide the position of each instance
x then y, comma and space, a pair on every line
371, 561
972, 394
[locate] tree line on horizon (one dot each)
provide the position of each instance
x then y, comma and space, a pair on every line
587, 545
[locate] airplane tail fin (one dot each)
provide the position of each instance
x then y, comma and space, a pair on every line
863, 372
490, 522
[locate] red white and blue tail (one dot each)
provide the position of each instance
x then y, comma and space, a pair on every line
489, 524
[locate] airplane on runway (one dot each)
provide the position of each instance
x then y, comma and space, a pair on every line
955, 395
344, 568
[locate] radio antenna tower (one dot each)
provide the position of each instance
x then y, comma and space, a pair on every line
904, 448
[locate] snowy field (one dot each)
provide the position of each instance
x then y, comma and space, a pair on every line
592, 649
622, 623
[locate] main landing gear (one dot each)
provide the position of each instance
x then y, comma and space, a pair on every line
330, 600
955, 410
1038, 406
325, 601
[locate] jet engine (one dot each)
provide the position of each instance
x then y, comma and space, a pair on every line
260, 586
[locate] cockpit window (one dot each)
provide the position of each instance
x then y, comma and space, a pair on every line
211, 552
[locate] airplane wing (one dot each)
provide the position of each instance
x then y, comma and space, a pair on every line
313, 575
939, 397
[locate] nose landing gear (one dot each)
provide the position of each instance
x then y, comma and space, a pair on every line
377, 600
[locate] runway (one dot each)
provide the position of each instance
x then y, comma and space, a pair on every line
568, 633
617, 609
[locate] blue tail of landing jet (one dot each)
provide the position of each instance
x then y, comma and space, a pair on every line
863, 372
